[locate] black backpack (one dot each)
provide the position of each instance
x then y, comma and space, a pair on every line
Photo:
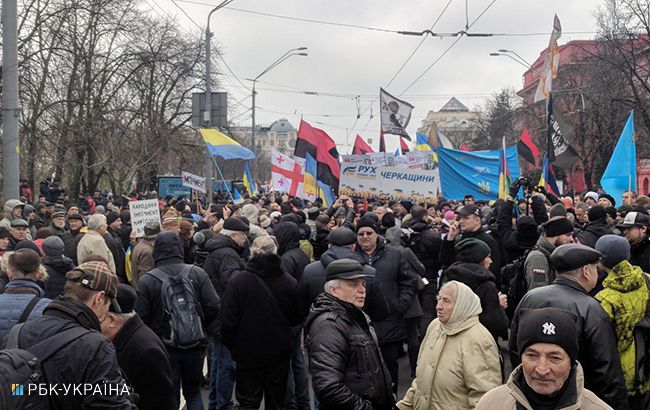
20, 368
513, 277
182, 325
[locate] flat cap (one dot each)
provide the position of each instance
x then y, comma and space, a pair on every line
126, 297
348, 269
75, 216
342, 236
19, 223
236, 225
58, 212
573, 256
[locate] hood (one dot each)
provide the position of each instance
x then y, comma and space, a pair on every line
266, 266
288, 236
327, 303
418, 226
251, 212
221, 241
470, 274
167, 247
624, 278
9, 207
598, 228
60, 263
27, 210
335, 253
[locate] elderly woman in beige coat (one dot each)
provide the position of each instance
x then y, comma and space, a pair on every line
459, 360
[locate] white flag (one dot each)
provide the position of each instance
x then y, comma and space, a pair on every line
551, 63
395, 114
287, 174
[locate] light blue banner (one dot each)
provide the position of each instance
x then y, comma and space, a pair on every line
620, 174
474, 173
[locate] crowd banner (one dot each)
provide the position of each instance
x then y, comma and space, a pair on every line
143, 212
193, 181
410, 160
474, 173
372, 181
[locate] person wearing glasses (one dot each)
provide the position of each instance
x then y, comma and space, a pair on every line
398, 283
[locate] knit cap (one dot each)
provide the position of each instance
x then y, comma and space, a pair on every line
53, 246
471, 250
548, 325
614, 248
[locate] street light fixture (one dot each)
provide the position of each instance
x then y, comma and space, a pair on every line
503, 50
523, 63
284, 57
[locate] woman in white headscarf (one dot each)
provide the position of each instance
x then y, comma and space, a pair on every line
459, 360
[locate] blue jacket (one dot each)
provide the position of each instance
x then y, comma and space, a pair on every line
18, 293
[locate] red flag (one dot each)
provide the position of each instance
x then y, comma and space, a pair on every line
526, 149
464, 147
382, 143
321, 146
403, 145
361, 147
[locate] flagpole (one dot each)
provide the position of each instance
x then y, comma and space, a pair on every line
214, 161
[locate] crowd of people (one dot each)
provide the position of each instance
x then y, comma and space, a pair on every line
277, 295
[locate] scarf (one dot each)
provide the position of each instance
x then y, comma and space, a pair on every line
467, 305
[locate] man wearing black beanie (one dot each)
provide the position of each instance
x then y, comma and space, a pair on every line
596, 227
550, 377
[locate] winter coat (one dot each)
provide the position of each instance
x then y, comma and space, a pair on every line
224, 259
314, 277
294, 259
56, 268
8, 215
345, 363
92, 243
90, 358
510, 396
448, 252
594, 230
56, 231
114, 244
481, 281
168, 257
17, 295
640, 254
320, 242
538, 268
141, 260
596, 339
250, 314
418, 271
514, 244
397, 283
71, 240
625, 300
454, 369
427, 247
144, 359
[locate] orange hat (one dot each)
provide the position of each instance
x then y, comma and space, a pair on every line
567, 201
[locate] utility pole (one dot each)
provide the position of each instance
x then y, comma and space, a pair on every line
207, 115
10, 103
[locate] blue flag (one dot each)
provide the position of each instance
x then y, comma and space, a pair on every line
475, 172
620, 174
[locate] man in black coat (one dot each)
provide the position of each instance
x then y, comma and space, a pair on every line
71, 237
577, 265
397, 283
345, 363
140, 354
635, 229
90, 358
187, 364
596, 227
341, 246
114, 243
261, 302
294, 259
470, 226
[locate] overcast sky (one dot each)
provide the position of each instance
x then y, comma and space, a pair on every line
353, 61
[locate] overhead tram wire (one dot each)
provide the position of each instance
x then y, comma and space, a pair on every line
448, 48
403, 65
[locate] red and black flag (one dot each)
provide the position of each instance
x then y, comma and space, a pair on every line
560, 153
403, 146
526, 149
361, 147
382, 142
321, 146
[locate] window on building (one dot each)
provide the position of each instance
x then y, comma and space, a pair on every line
272, 143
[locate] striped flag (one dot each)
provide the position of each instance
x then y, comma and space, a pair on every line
504, 172
248, 181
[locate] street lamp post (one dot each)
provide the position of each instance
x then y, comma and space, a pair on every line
283, 57
519, 60
207, 115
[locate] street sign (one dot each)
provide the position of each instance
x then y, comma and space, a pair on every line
219, 109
